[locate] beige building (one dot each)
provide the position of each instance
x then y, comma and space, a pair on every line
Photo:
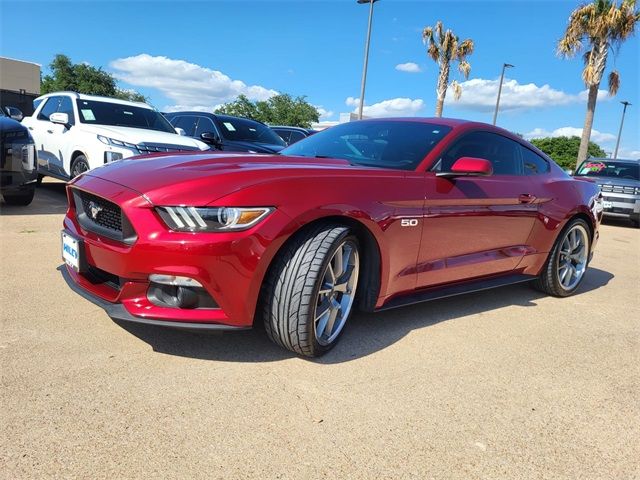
19, 83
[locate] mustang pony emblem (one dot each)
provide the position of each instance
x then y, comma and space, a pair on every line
94, 210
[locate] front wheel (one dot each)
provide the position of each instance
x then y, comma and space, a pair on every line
567, 261
309, 293
22, 198
79, 165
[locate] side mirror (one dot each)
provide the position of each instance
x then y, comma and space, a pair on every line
14, 113
60, 118
210, 137
468, 167
180, 132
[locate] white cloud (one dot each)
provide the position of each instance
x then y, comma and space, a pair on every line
324, 113
480, 94
188, 85
596, 136
395, 107
628, 153
408, 67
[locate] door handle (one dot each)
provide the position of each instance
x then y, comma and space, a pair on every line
30, 128
526, 198
49, 131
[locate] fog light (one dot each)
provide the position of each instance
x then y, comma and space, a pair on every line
174, 280
112, 156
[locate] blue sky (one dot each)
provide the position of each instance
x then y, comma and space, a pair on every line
200, 54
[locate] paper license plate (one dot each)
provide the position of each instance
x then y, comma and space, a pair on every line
71, 251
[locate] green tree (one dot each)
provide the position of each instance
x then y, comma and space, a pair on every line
83, 78
444, 47
281, 109
564, 150
597, 28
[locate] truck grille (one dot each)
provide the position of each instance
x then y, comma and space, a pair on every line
617, 189
103, 217
163, 147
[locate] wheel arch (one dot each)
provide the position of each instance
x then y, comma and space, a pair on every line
371, 273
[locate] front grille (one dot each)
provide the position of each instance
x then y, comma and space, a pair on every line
103, 217
102, 212
618, 189
163, 147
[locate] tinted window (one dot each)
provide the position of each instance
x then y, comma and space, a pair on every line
605, 168
95, 112
533, 163
205, 124
185, 122
67, 107
50, 107
245, 130
503, 153
378, 143
284, 134
296, 136
36, 103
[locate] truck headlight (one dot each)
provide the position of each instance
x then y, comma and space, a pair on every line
212, 219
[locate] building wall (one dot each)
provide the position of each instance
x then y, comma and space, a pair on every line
16, 75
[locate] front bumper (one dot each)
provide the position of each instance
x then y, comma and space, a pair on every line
621, 205
229, 266
118, 312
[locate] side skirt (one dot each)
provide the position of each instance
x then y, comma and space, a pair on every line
453, 290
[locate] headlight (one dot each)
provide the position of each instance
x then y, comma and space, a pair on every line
116, 143
212, 219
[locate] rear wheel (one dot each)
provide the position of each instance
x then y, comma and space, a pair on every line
567, 261
79, 165
22, 198
309, 293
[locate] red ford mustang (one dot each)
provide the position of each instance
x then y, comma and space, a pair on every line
371, 215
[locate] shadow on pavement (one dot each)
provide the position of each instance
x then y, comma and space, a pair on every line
364, 334
50, 198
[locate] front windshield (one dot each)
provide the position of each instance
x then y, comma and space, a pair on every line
612, 169
120, 115
400, 145
245, 130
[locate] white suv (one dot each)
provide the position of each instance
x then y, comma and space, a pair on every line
74, 133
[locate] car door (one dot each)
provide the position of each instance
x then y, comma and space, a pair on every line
41, 130
206, 125
58, 139
476, 226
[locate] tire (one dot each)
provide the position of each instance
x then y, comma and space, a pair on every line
635, 222
23, 198
563, 273
39, 180
303, 311
79, 165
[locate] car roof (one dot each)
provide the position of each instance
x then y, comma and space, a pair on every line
96, 98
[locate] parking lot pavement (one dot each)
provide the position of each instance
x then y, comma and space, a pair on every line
502, 384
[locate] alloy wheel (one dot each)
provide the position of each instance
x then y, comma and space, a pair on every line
574, 254
336, 293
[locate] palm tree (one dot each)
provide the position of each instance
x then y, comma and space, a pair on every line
597, 28
444, 48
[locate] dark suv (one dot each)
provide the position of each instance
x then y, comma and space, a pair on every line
619, 182
292, 135
18, 169
224, 132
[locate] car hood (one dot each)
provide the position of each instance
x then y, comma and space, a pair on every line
141, 135
199, 179
624, 182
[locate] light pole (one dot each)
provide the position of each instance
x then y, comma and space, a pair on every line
624, 110
366, 56
495, 114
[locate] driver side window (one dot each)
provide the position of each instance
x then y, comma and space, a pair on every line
51, 106
502, 152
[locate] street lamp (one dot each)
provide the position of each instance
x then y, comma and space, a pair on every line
624, 110
366, 56
495, 114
